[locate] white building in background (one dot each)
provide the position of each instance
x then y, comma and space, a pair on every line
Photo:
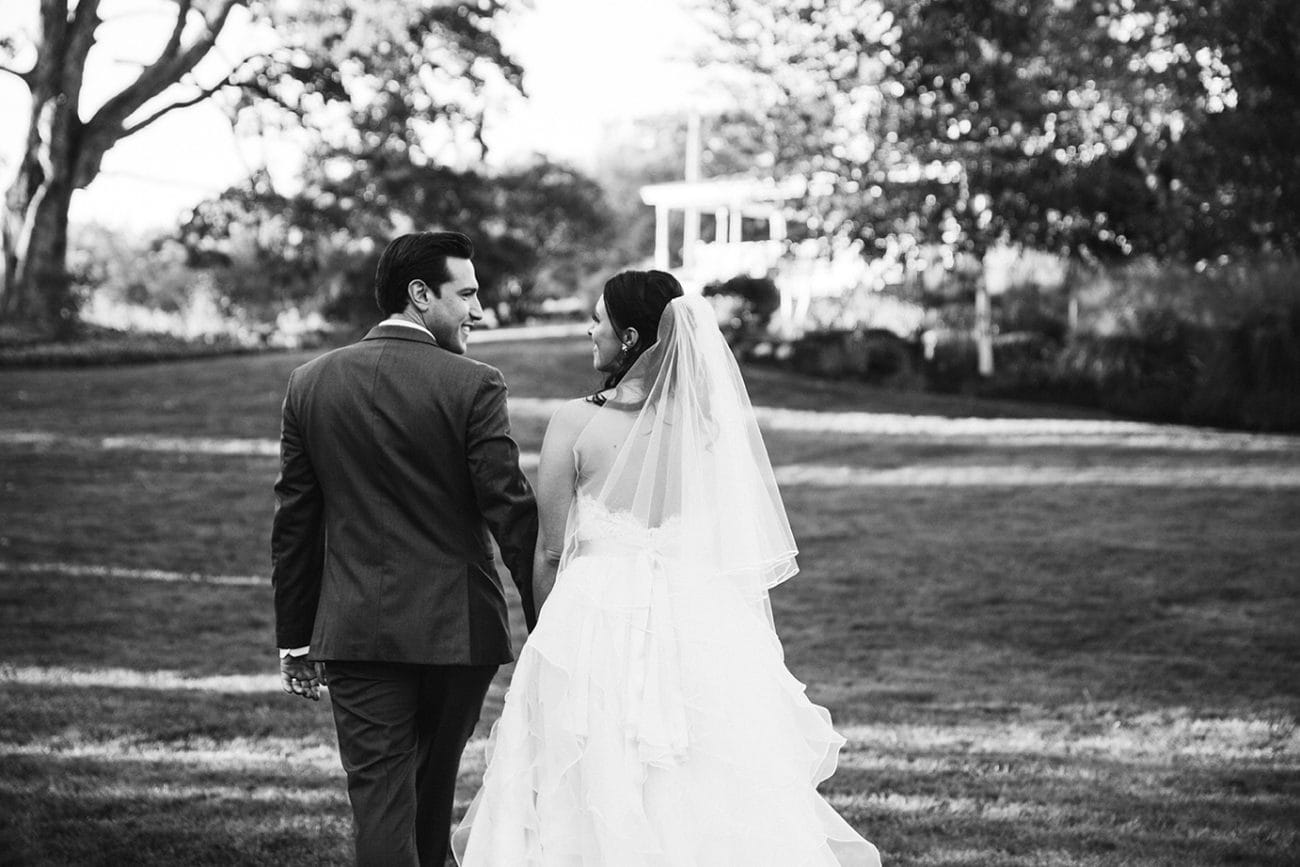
815, 269
730, 200
804, 272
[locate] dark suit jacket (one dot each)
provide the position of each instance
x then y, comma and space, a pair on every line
395, 462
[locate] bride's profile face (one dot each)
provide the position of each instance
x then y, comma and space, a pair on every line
605, 342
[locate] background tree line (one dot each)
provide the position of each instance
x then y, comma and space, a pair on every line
384, 89
1099, 128
1146, 144
1148, 141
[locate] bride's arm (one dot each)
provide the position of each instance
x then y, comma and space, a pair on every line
556, 481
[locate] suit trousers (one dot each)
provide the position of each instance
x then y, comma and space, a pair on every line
402, 729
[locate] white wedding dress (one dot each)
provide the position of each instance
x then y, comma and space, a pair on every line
651, 719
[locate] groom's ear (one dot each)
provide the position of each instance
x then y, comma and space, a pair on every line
418, 293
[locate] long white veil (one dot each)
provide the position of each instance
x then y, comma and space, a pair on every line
651, 718
693, 460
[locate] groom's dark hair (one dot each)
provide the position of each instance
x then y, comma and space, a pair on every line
636, 299
416, 256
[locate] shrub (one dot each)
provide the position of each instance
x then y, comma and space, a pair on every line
1031, 309
952, 361
871, 355
1216, 346
103, 346
1024, 369
745, 305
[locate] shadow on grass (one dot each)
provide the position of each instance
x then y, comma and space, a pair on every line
1069, 675
112, 812
1106, 787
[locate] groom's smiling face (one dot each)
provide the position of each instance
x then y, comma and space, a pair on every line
453, 309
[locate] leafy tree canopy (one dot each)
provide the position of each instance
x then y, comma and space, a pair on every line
537, 230
385, 78
1096, 127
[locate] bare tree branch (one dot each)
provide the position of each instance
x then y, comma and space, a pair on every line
203, 94
81, 37
161, 74
265, 93
108, 125
167, 109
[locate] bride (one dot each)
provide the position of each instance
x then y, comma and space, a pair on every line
651, 719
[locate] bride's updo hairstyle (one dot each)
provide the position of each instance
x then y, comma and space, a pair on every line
636, 299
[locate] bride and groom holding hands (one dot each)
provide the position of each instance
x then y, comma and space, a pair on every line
650, 719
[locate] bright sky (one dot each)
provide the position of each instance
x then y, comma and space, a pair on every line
588, 64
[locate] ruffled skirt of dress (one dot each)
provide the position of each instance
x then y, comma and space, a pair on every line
651, 721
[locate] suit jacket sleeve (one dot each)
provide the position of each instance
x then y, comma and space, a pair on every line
504, 496
297, 535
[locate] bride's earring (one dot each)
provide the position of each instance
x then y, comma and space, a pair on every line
627, 342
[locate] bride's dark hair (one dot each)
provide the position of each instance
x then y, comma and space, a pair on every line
635, 299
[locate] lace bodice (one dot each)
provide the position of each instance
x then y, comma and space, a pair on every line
596, 524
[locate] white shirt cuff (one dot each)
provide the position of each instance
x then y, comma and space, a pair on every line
295, 651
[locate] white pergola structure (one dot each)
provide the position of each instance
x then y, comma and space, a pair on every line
810, 269
730, 200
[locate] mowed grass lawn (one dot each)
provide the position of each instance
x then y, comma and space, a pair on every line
1051, 674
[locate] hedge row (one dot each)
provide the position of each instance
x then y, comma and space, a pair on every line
1206, 346
115, 349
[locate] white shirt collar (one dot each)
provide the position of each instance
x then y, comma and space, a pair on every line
396, 319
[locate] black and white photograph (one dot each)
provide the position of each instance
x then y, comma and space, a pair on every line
650, 433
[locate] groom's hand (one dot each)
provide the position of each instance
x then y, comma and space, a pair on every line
299, 676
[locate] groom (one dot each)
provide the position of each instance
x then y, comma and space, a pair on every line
395, 463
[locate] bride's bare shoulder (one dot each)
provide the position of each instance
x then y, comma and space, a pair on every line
571, 417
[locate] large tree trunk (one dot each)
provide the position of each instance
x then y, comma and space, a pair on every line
63, 153
37, 290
